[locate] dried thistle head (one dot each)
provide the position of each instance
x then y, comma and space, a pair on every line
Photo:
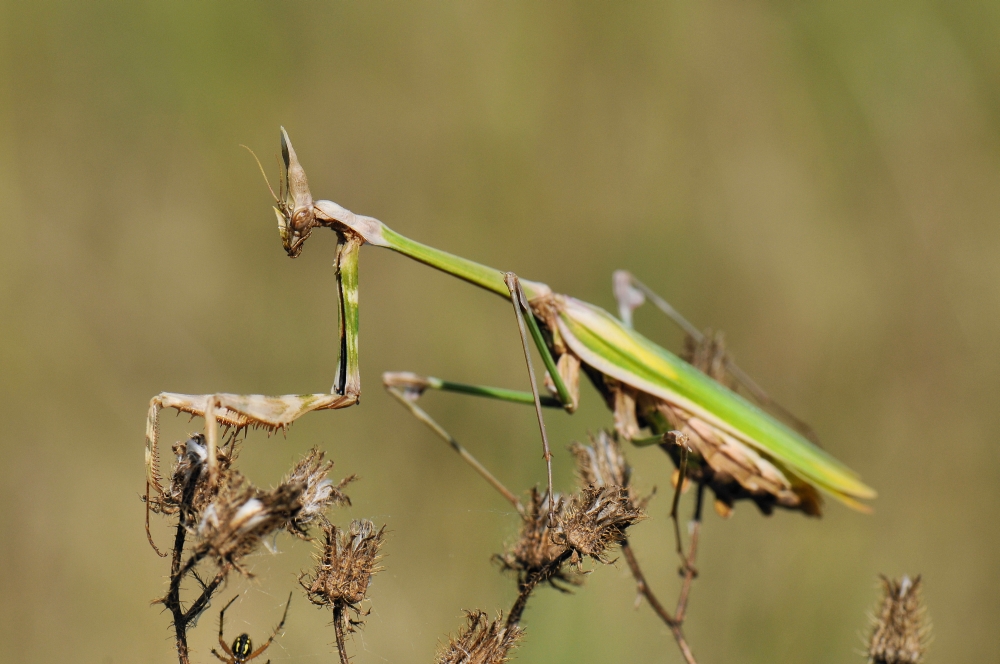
596, 520
241, 516
481, 641
318, 493
536, 553
345, 563
603, 463
188, 479
899, 626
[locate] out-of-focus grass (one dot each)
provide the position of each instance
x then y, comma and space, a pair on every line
820, 181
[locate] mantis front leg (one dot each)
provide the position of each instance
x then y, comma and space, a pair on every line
273, 413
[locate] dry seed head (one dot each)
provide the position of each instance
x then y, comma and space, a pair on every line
190, 457
319, 491
603, 463
481, 641
241, 516
345, 564
536, 552
899, 627
596, 520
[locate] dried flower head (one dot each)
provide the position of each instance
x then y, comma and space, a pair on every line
481, 641
319, 492
345, 564
899, 626
595, 520
603, 463
536, 553
241, 516
188, 479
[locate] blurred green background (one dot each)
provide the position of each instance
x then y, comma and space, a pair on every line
820, 180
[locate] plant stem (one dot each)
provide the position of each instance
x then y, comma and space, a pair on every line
173, 599
527, 586
674, 623
338, 628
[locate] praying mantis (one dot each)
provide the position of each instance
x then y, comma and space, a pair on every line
736, 448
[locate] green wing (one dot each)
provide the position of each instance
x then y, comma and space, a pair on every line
599, 339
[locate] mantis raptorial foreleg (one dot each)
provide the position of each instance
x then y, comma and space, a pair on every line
242, 411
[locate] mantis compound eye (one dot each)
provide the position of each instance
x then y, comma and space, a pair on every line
296, 218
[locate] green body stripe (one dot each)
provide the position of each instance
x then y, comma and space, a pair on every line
622, 353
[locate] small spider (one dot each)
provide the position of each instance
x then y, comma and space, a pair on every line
242, 650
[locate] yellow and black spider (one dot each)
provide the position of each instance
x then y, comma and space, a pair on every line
242, 650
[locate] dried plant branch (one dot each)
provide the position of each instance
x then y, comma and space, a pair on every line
346, 560
338, 628
672, 622
603, 464
228, 518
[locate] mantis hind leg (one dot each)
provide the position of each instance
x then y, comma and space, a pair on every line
630, 293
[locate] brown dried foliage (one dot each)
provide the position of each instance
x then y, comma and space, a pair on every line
319, 491
241, 516
345, 563
596, 520
603, 464
536, 554
190, 456
899, 626
481, 641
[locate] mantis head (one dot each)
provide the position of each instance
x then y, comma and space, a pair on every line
294, 203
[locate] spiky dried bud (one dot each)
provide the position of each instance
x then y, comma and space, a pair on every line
596, 519
345, 563
603, 463
899, 626
241, 516
188, 478
319, 491
536, 553
481, 641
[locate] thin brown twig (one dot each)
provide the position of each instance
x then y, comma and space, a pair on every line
338, 628
690, 572
674, 622
531, 581
177, 573
519, 301
671, 622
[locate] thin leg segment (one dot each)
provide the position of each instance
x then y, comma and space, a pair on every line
408, 400
631, 293
520, 303
416, 384
348, 380
260, 651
